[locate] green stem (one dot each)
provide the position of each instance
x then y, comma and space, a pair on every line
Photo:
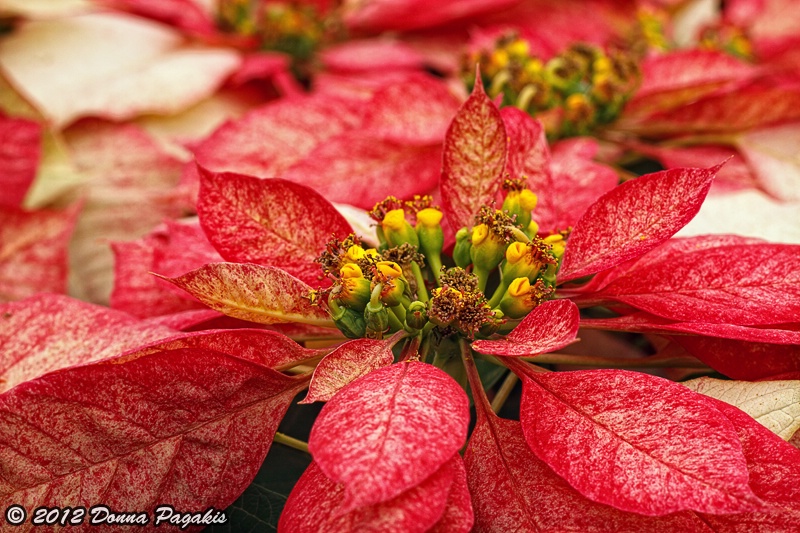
291, 442
395, 324
435, 264
494, 301
422, 291
482, 275
504, 391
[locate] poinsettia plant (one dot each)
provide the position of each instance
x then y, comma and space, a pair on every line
421, 325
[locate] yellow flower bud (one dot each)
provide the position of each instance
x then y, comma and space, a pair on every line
429, 217
354, 253
479, 234
515, 252
397, 230
516, 302
527, 200
394, 220
390, 269
519, 287
350, 271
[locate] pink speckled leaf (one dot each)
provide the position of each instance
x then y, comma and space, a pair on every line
316, 504
187, 15
143, 67
49, 332
371, 54
795, 440
550, 326
683, 76
360, 169
458, 516
346, 364
573, 184
388, 431
634, 218
757, 105
270, 222
774, 468
742, 360
170, 250
512, 489
266, 348
20, 152
294, 127
528, 152
33, 251
380, 16
416, 112
188, 427
644, 323
636, 442
262, 294
746, 284
474, 158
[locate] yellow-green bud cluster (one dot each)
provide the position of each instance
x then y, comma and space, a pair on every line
572, 93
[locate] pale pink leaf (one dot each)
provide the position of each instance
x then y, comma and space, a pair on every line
34, 251
120, 67
345, 364
774, 404
317, 503
636, 442
262, 294
746, 284
20, 153
416, 112
550, 326
388, 431
772, 154
515, 490
50, 332
360, 169
634, 218
270, 222
474, 159
188, 427
375, 54
187, 15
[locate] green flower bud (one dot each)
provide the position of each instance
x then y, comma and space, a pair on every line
431, 236
397, 230
461, 251
349, 321
516, 302
487, 249
354, 289
417, 315
376, 317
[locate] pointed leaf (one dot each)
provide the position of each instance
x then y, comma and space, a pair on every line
270, 222
739, 284
316, 504
637, 442
188, 427
388, 431
458, 516
634, 218
550, 326
474, 158
20, 152
346, 364
49, 332
773, 404
33, 251
262, 294
515, 490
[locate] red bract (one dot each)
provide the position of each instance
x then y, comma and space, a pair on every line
20, 152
